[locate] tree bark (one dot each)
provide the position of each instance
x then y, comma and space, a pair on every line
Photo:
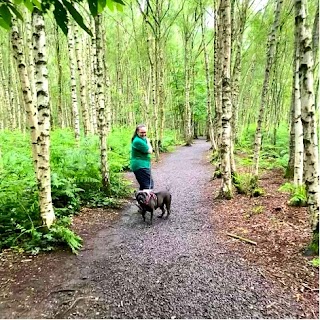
73, 82
206, 67
226, 188
31, 110
265, 89
311, 156
43, 139
100, 76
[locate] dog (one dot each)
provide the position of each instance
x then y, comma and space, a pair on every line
150, 201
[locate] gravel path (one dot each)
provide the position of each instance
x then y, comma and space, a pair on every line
173, 269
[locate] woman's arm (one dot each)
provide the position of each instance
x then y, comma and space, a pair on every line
150, 150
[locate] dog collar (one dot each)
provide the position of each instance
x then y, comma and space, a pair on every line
149, 196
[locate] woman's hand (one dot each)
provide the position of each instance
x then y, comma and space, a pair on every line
149, 145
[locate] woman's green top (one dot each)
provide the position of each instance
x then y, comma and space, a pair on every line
140, 158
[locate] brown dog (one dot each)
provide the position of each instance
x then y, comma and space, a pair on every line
150, 201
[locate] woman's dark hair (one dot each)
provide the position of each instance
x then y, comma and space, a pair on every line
137, 129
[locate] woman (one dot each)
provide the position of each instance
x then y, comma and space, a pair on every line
140, 161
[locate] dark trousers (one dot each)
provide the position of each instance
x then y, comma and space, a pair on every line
144, 178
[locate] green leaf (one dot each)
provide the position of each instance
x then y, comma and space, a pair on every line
93, 6
17, 1
61, 16
119, 7
37, 4
76, 16
119, 1
5, 14
110, 5
29, 5
16, 12
101, 5
3, 24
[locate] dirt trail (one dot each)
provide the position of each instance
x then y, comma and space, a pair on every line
174, 269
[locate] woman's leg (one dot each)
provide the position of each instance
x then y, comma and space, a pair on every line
144, 178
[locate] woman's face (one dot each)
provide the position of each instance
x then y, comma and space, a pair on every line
142, 132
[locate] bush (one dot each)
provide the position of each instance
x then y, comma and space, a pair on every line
298, 194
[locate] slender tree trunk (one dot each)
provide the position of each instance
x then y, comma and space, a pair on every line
298, 130
32, 113
226, 149
12, 121
265, 89
100, 76
311, 156
237, 69
61, 118
43, 139
217, 72
206, 67
93, 82
187, 107
73, 80
82, 82
290, 167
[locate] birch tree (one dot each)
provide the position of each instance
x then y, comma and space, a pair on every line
208, 86
43, 136
226, 188
298, 129
311, 156
271, 47
100, 77
32, 113
73, 83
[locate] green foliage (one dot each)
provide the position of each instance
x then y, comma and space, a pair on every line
315, 262
313, 248
298, 194
242, 182
217, 173
39, 238
63, 234
247, 184
75, 181
169, 141
61, 8
272, 155
255, 210
257, 192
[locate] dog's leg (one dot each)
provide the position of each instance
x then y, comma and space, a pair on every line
163, 211
151, 216
168, 206
143, 213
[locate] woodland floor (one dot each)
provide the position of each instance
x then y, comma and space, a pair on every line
269, 280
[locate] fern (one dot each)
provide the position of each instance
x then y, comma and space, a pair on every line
67, 236
298, 194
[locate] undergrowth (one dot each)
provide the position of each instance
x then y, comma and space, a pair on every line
75, 182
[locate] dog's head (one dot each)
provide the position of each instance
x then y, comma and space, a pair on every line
141, 197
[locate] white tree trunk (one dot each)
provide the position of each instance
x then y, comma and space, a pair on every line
41, 76
311, 150
226, 188
206, 68
31, 110
93, 82
82, 82
298, 130
73, 80
100, 76
265, 89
